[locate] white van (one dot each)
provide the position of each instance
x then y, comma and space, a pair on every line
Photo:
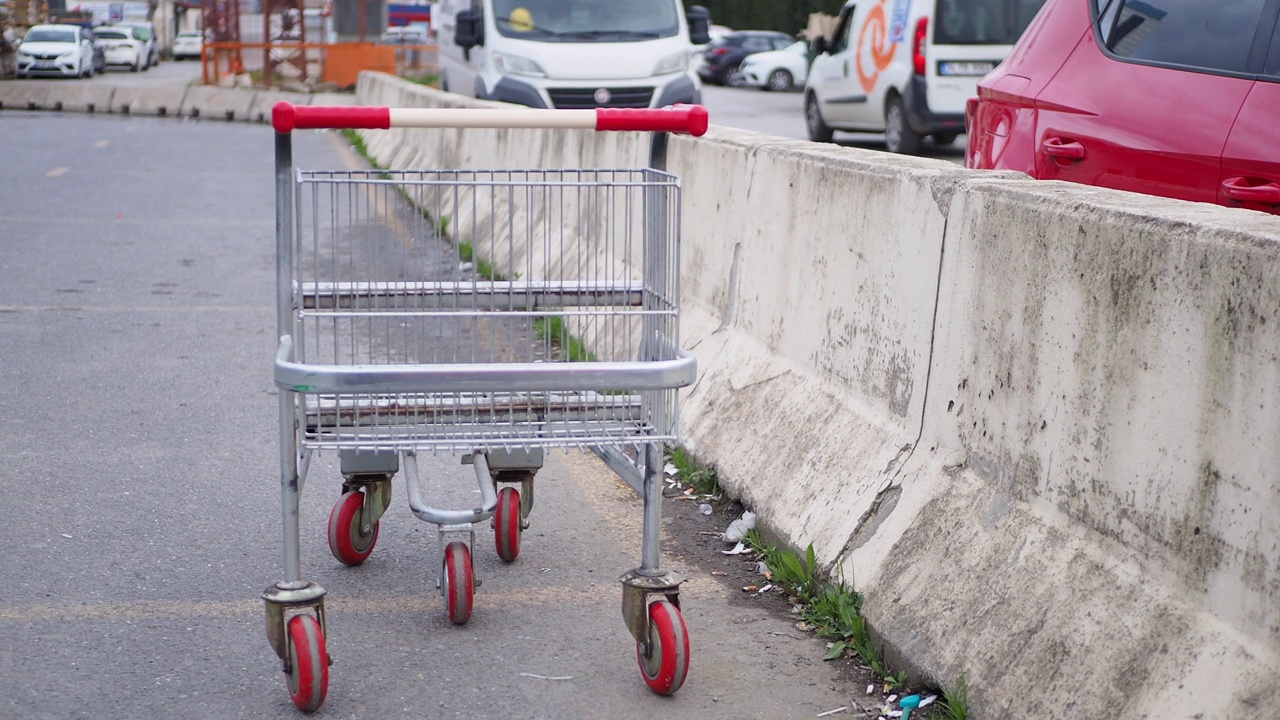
571, 53
907, 67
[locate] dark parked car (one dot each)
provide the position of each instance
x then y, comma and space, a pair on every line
1177, 98
724, 56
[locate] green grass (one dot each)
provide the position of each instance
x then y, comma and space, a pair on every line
484, 268
703, 480
554, 331
429, 79
832, 607
955, 705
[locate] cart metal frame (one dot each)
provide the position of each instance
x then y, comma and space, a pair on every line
381, 415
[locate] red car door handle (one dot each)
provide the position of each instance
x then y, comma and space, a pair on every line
1062, 149
1255, 190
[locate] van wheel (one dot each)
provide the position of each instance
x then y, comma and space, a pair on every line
818, 130
898, 135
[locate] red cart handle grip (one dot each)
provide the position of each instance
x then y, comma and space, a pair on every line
287, 117
685, 119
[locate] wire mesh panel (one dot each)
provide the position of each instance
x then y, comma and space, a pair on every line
488, 276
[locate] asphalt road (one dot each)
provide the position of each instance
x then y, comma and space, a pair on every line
782, 114
136, 306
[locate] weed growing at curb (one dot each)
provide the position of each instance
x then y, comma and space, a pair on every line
834, 608
360, 147
553, 330
703, 480
956, 700
466, 253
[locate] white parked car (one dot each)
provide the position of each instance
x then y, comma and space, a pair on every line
122, 48
59, 50
188, 44
777, 70
145, 33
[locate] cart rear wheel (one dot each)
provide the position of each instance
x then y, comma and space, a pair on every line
506, 524
347, 543
668, 662
308, 662
457, 583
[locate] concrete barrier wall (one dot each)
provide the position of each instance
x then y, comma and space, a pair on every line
1037, 424
1108, 366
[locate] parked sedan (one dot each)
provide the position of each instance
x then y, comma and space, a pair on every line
777, 70
122, 48
1187, 110
724, 56
188, 44
58, 50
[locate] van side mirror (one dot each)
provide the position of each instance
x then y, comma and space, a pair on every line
469, 30
699, 19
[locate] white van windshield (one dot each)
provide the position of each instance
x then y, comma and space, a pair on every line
586, 20
983, 22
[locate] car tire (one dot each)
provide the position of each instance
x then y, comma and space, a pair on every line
898, 135
779, 81
731, 75
818, 129
137, 65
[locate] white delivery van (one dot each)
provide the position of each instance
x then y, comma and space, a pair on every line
571, 53
907, 67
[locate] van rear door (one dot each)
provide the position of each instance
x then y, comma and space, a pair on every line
968, 39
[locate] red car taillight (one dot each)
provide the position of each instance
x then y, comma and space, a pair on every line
917, 48
720, 51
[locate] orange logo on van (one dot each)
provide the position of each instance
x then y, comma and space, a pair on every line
874, 45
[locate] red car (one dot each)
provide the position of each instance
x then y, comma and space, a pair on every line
1179, 98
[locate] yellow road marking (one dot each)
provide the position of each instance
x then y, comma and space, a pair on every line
56, 172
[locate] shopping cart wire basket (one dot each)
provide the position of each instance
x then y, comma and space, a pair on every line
492, 314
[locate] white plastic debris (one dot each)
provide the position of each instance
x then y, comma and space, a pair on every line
737, 529
670, 470
737, 550
928, 701
871, 689
764, 589
895, 713
66, 536
892, 699
705, 509
465, 267
833, 712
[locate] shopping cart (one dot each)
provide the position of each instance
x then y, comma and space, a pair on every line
492, 314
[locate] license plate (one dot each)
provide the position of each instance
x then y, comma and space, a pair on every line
967, 69
44, 65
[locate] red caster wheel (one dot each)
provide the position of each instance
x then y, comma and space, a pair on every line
346, 542
457, 583
309, 663
506, 524
668, 662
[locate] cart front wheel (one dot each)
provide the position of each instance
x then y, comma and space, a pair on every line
308, 662
665, 668
457, 583
506, 524
346, 541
